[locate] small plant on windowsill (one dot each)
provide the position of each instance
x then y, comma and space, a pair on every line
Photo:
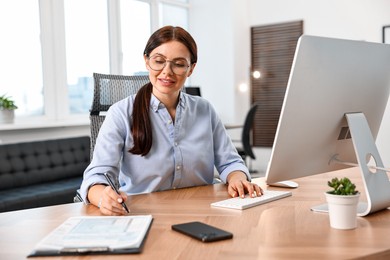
342, 203
7, 109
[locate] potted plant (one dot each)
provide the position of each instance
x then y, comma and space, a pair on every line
7, 109
342, 203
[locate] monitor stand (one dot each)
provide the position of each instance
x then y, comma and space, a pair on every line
285, 184
375, 179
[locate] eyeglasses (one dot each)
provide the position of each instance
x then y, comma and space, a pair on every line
158, 62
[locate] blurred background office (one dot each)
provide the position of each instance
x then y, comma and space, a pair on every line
50, 49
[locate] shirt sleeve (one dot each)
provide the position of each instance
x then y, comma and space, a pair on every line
108, 148
227, 158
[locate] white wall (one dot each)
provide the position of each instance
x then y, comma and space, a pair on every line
222, 31
30, 134
214, 72
349, 19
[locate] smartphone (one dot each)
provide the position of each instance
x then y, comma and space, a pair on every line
202, 231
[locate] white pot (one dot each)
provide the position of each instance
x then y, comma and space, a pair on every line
342, 210
7, 116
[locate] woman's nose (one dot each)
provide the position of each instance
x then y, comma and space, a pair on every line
168, 68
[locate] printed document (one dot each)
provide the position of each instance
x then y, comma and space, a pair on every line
124, 234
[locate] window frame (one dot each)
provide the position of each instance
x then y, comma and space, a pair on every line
52, 24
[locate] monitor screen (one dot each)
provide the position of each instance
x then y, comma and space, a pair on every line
329, 78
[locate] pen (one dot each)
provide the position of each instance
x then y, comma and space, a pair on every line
115, 189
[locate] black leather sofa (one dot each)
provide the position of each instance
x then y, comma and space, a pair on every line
42, 173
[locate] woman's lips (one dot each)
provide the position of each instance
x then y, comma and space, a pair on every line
166, 82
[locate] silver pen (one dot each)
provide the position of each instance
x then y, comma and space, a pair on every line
115, 189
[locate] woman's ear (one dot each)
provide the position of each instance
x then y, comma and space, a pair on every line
146, 62
191, 69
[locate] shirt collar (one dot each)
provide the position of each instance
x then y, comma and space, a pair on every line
156, 104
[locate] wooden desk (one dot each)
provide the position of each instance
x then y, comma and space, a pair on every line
283, 229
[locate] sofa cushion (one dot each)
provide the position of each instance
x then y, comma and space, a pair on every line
39, 195
33, 163
42, 173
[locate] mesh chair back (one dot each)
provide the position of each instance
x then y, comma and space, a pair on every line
109, 89
246, 139
193, 91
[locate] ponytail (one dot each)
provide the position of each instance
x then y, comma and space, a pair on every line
141, 128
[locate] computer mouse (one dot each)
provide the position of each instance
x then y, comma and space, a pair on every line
285, 184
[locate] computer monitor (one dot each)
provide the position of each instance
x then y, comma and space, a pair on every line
329, 79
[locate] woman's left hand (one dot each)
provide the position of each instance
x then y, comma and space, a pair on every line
238, 185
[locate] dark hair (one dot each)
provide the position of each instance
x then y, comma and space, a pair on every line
141, 127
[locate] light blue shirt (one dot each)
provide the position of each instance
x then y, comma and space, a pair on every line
183, 153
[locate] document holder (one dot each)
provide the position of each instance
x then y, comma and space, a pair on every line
96, 235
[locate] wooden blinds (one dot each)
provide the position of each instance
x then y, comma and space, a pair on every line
272, 53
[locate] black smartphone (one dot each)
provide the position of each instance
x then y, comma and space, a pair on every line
202, 231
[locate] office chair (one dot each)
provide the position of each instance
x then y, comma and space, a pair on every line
193, 91
245, 150
109, 89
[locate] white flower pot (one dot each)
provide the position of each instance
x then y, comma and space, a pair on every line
342, 210
7, 116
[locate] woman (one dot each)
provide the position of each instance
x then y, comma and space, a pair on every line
162, 138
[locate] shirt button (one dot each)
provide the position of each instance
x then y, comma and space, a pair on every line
175, 143
178, 167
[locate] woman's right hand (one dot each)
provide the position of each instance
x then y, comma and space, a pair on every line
111, 202
107, 200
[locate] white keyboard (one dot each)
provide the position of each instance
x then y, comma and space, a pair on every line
247, 202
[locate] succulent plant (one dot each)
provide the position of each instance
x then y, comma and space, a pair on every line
342, 186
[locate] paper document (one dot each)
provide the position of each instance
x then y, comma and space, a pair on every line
101, 234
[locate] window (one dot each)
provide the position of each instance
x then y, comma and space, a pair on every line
21, 57
135, 31
50, 49
174, 15
86, 49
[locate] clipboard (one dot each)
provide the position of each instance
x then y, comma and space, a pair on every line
96, 235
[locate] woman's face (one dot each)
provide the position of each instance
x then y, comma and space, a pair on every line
168, 80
